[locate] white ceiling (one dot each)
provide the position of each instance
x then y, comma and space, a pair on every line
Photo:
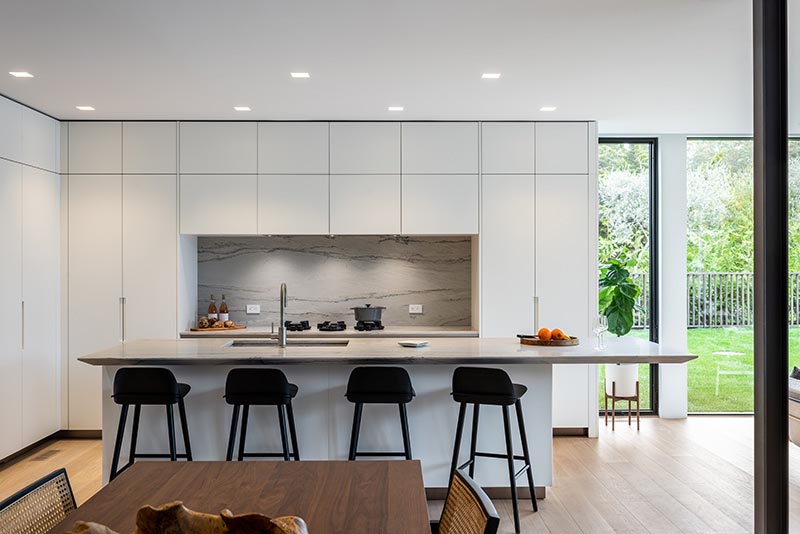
636, 66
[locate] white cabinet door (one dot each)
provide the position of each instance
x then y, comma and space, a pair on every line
365, 204
440, 148
507, 255
562, 148
507, 147
95, 147
365, 148
441, 203
10, 314
95, 287
219, 147
10, 130
293, 148
219, 204
149, 147
293, 204
41, 200
562, 283
149, 256
39, 136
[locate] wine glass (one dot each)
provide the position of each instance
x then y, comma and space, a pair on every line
600, 327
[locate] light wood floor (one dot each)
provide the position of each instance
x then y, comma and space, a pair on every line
692, 475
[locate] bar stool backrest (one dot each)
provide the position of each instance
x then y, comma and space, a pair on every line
482, 381
468, 510
39, 507
253, 381
145, 385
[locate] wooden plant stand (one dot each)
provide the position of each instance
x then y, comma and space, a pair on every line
614, 400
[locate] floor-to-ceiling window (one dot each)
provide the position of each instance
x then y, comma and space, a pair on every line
627, 218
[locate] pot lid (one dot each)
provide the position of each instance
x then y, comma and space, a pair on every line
368, 306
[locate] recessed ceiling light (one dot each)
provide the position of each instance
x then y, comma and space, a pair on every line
395, 108
301, 75
85, 108
548, 108
21, 74
241, 108
490, 75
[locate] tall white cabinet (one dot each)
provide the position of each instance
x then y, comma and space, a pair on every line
123, 247
538, 244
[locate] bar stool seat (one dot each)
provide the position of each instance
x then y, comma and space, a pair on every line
477, 386
261, 387
379, 385
148, 386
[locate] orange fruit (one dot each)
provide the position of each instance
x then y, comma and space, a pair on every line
558, 334
544, 334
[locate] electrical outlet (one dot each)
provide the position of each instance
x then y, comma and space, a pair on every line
253, 309
415, 309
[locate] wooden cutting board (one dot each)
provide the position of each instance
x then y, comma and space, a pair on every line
237, 327
534, 340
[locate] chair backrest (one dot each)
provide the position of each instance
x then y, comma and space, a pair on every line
468, 509
482, 381
145, 385
39, 507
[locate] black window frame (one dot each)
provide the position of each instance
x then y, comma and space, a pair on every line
653, 302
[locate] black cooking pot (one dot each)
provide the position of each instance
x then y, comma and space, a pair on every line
368, 312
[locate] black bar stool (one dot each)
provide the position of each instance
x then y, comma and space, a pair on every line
476, 386
146, 386
260, 387
379, 385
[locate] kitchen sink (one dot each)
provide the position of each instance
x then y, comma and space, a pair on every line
289, 343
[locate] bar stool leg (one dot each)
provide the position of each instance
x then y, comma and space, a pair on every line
137, 410
243, 435
171, 431
462, 410
293, 432
123, 416
185, 430
512, 479
406, 437
232, 436
356, 428
525, 452
474, 441
284, 439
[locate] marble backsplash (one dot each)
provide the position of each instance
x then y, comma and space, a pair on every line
326, 276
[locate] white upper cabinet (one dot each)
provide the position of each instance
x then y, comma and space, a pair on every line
41, 199
441, 204
507, 148
364, 204
219, 204
365, 148
562, 148
149, 147
218, 147
10, 314
293, 148
293, 204
95, 147
10, 130
40, 134
440, 148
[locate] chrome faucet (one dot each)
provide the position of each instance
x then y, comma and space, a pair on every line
282, 325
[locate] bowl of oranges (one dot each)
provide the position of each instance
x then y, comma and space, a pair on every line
549, 338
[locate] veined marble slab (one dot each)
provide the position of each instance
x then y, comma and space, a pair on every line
327, 276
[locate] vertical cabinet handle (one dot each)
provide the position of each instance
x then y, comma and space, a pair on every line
23, 326
122, 318
536, 314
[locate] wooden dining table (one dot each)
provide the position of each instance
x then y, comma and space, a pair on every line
333, 497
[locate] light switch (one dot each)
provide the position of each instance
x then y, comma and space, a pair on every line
415, 309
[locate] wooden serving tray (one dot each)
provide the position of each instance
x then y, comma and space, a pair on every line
534, 340
237, 327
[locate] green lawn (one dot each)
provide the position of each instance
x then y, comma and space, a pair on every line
735, 391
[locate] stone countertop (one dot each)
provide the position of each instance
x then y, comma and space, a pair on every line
388, 332
359, 351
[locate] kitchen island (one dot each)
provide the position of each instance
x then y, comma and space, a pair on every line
321, 368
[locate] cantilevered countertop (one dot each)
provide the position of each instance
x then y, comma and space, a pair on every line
359, 351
